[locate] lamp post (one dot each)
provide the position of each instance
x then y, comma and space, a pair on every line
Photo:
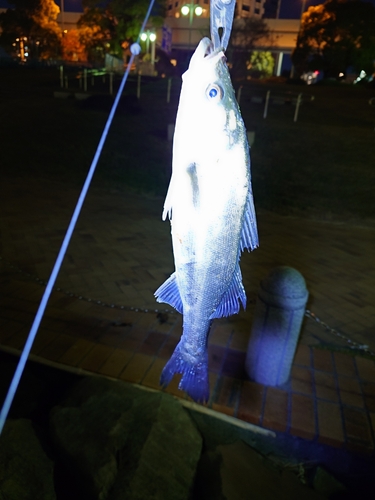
191, 9
149, 36
62, 16
278, 9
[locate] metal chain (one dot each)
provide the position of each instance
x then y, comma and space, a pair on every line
309, 314
354, 345
87, 299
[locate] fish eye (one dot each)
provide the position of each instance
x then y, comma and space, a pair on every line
214, 92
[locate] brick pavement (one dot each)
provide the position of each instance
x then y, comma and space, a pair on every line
121, 252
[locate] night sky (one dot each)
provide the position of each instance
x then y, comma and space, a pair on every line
289, 9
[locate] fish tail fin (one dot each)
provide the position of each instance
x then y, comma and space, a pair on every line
194, 379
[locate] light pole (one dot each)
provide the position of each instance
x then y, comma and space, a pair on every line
191, 9
278, 9
149, 36
62, 16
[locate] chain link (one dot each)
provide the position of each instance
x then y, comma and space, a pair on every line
309, 314
87, 299
353, 344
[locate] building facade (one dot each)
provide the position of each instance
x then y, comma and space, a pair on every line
244, 8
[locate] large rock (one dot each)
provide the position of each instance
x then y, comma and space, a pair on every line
26, 473
246, 473
124, 442
169, 458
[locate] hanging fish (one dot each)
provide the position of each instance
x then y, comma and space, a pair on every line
210, 205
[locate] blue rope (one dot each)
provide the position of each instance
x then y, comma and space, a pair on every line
51, 282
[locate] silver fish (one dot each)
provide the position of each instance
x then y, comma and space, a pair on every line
210, 204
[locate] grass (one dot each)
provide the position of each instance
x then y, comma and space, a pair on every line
322, 166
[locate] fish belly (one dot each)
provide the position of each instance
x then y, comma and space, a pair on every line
206, 233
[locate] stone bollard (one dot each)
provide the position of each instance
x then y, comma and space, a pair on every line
276, 327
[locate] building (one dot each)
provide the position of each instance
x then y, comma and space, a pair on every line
244, 8
181, 33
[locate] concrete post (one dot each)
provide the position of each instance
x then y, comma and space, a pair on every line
276, 327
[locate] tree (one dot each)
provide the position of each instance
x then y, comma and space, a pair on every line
261, 64
35, 21
335, 36
245, 34
109, 26
72, 47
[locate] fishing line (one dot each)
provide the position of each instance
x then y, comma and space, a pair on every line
135, 49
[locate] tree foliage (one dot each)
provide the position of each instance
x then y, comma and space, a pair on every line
261, 64
111, 26
335, 36
72, 47
34, 20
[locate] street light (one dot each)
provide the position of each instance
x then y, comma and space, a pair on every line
148, 36
191, 9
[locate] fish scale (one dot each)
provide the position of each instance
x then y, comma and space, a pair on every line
210, 205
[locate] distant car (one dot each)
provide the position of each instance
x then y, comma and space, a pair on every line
310, 77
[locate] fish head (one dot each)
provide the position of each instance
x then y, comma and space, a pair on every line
208, 111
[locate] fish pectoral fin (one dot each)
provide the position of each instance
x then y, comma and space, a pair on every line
169, 293
230, 302
167, 210
249, 235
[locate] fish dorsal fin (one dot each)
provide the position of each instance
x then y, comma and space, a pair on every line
249, 235
169, 293
230, 302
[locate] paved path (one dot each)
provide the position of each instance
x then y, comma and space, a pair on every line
121, 252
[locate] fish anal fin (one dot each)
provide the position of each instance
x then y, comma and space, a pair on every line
169, 293
194, 380
230, 302
249, 235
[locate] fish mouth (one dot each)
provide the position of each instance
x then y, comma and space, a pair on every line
215, 55
206, 54
206, 51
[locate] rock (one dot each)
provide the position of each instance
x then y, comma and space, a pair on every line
26, 473
169, 458
248, 474
326, 484
125, 442
208, 479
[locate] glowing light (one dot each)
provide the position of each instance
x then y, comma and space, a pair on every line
360, 77
152, 37
341, 74
144, 37
185, 10
198, 11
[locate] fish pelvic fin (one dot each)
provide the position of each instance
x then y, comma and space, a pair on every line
169, 293
194, 380
230, 302
249, 235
